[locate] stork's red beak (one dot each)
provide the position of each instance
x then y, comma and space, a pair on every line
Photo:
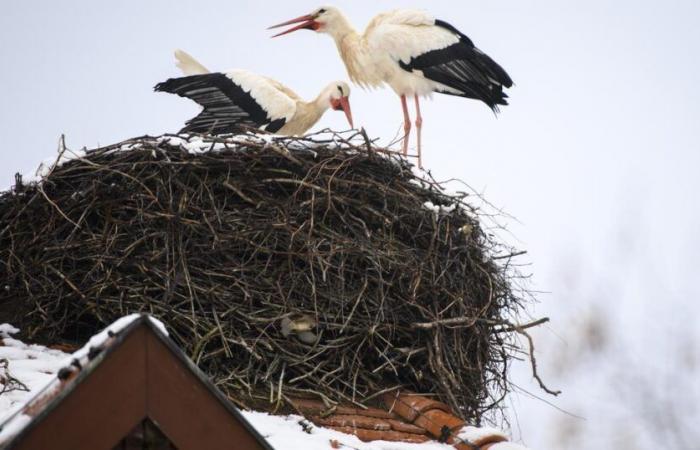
308, 22
343, 104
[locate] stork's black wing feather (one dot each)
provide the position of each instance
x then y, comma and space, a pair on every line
464, 68
226, 105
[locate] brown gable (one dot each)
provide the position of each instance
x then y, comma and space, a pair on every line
140, 375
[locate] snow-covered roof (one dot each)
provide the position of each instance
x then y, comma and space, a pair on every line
32, 373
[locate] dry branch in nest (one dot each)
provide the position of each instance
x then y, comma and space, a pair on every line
283, 266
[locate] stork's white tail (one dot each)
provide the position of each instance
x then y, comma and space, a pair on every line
188, 64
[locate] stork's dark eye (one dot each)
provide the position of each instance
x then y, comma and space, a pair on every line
321, 11
340, 88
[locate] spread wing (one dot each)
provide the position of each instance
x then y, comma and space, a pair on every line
230, 100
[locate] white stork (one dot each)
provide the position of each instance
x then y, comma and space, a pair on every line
238, 97
414, 54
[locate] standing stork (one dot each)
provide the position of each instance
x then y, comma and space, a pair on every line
240, 98
415, 54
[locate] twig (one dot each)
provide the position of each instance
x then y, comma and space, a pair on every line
524, 326
533, 361
466, 321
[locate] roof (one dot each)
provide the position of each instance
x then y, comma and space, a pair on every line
406, 417
34, 376
132, 381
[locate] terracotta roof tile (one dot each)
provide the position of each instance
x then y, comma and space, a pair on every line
439, 423
374, 435
408, 417
398, 425
64, 347
367, 412
313, 407
343, 420
409, 406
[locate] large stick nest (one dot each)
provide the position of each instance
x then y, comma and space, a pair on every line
283, 267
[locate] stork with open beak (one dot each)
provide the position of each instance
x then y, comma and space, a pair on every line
415, 54
240, 98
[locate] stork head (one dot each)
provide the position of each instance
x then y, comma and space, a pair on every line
325, 19
337, 94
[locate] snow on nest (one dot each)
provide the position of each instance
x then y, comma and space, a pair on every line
195, 144
439, 209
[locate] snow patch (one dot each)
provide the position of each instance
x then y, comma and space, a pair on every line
470, 433
286, 433
507, 446
34, 366
14, 427
100, 338
6, 330
475, 434
196, 144
439, 209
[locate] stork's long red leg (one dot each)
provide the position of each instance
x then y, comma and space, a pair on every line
406, 125
419, 125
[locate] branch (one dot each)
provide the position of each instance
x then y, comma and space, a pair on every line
524, 326
533, 362
511, 255
468, 321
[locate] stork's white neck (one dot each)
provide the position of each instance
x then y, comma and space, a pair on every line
321, 103
307, 114
338, 27
361, 66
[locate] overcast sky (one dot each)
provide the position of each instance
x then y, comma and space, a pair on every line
597, 155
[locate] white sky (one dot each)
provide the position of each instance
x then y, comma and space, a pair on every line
597, 155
